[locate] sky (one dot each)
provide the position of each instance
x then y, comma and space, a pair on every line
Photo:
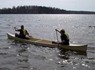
76, 5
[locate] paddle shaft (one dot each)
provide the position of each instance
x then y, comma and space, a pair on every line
57, 37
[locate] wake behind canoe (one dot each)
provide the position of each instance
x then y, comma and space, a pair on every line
42, 42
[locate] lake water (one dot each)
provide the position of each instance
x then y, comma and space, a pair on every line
17, 56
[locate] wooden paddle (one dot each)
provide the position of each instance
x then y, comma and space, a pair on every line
57, 37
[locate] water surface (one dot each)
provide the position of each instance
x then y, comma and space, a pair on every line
17, 56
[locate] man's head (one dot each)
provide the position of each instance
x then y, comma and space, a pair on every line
22, 27
62, 31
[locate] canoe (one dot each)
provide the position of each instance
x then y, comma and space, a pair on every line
47, 43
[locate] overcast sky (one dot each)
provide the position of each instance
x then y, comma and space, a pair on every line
79, 5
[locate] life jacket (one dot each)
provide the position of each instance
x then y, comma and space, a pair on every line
23, 32
67, 35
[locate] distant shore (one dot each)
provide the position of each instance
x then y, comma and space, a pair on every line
40, 10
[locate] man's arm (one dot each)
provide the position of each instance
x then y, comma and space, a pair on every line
16, 29
57, 30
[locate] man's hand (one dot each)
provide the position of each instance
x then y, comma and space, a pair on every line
56, 30
15, 28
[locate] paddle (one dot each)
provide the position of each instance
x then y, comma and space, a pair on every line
57, 37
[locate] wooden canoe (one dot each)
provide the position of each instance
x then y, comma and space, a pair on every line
47, 43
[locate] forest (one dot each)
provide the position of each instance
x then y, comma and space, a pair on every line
40, 10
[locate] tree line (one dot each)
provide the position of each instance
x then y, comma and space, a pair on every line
39, 10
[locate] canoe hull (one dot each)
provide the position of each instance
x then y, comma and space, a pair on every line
46, 43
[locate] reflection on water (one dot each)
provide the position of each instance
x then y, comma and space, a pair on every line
22, 58
30, 57
14, 57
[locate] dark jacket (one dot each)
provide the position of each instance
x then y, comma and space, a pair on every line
64, 39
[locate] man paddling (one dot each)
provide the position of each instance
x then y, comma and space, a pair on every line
23, 33
64, 37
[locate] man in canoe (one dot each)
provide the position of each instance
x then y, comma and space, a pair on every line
64, 37
23, 33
